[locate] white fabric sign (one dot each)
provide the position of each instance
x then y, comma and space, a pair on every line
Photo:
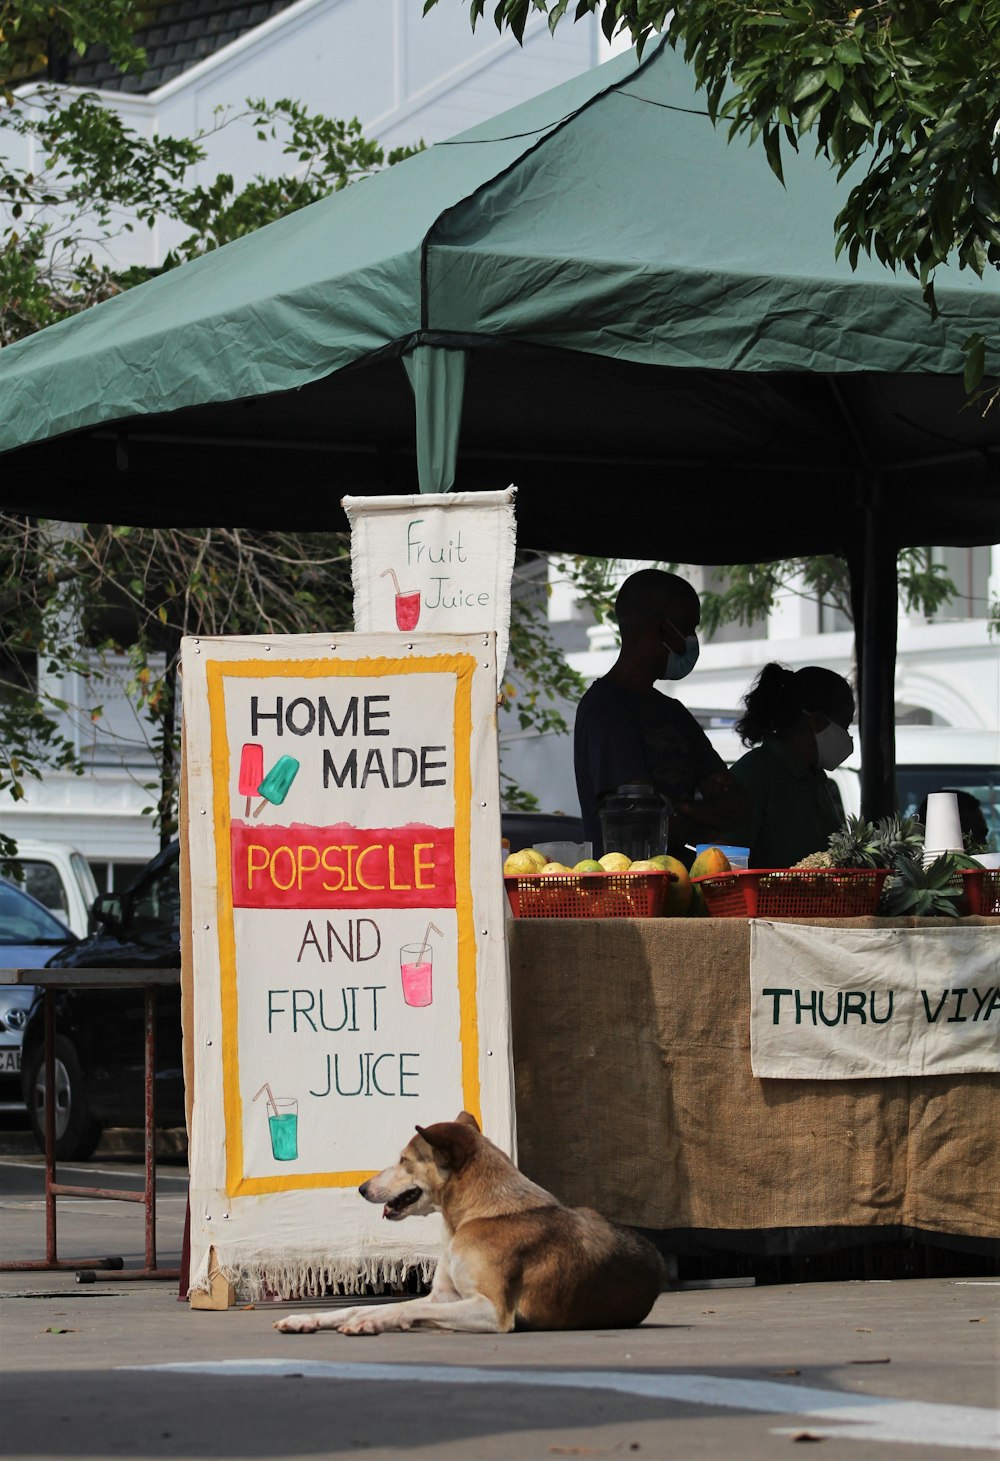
834, 1004
347, 919
434, 562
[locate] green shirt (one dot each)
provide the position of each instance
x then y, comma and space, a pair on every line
795, 807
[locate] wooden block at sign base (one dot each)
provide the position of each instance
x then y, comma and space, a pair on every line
221, 1294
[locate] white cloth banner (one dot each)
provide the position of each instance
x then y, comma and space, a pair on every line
348, 942
835, 1004
434, 562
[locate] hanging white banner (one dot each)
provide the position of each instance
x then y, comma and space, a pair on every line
347, 941
434, 562
835, 1004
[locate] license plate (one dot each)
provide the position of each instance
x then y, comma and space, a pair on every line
10, 1062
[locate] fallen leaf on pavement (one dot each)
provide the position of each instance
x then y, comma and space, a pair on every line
807, 1436
54, 1329
885, 1361
784, 1372
863, 1330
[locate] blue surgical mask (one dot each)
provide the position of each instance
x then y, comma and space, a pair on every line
680, 665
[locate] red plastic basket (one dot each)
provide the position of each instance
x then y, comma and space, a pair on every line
793, 892
981, 892
588, 895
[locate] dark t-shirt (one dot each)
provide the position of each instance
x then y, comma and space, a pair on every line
627, 735
795, 807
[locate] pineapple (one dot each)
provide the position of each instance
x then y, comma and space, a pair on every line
815, 860
898, 840
855, 845
924, 892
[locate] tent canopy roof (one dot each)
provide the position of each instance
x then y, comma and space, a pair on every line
659, 348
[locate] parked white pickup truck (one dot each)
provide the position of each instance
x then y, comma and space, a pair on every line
59, 877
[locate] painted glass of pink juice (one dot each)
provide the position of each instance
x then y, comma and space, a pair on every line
415, 968
407, 610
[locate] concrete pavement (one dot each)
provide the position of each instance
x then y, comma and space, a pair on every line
892, 1369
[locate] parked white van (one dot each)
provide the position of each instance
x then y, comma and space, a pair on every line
928, 758
59, 877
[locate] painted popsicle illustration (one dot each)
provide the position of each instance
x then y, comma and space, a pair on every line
274, 787
251, 772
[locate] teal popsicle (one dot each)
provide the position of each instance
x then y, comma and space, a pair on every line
274, 787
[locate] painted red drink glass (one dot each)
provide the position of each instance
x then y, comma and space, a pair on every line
407, 610
416, 969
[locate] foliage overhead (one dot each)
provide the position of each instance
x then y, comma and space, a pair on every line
906, 90
750, 591
35, 33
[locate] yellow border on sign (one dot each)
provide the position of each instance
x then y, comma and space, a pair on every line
217, 671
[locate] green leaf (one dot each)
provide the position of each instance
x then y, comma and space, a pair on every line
975, 362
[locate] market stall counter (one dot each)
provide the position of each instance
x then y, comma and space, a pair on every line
635, 1095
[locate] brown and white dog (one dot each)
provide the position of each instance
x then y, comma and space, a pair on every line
513, 1255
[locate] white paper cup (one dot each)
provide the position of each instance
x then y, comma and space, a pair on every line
943, 830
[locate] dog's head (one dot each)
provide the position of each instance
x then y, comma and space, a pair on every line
413, 1187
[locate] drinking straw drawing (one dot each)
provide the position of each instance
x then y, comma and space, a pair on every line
416, 967
282, 1124
426, 943
407, 603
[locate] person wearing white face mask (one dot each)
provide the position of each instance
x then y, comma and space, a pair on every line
627, 731
797, 723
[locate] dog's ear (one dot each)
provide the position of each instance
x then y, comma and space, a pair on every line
466, 1118
452, 1143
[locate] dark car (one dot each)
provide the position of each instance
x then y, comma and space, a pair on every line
100, 1048
99, 1040
28, 935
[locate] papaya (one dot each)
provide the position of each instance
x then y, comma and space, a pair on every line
710, 863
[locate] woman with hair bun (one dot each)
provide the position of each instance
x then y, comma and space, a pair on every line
796, 721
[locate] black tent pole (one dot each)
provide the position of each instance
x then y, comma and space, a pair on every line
874, 596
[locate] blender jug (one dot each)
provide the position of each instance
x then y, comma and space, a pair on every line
634, 821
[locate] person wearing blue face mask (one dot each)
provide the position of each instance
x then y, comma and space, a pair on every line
627, 731
797, 723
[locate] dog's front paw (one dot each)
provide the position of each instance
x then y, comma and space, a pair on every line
369, 1321
298, 1324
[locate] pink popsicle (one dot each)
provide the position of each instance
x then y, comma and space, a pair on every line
251, 771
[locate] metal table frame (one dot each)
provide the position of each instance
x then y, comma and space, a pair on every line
52, 980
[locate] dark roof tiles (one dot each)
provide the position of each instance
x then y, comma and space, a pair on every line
176, 37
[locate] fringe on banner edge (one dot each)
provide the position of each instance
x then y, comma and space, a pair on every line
310, 1278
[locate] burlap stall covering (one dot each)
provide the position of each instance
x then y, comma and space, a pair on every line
635, 1095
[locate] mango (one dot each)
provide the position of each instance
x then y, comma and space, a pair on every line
680, 895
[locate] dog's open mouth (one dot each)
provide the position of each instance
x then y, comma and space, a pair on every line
398, 1206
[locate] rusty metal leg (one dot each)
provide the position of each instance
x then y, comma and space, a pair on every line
150, 1074
50, 1126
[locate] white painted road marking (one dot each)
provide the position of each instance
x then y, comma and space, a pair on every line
856, 1417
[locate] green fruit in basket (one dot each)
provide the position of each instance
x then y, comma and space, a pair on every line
588, 865
551, 868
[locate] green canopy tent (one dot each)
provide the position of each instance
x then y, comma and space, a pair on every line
592, 296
